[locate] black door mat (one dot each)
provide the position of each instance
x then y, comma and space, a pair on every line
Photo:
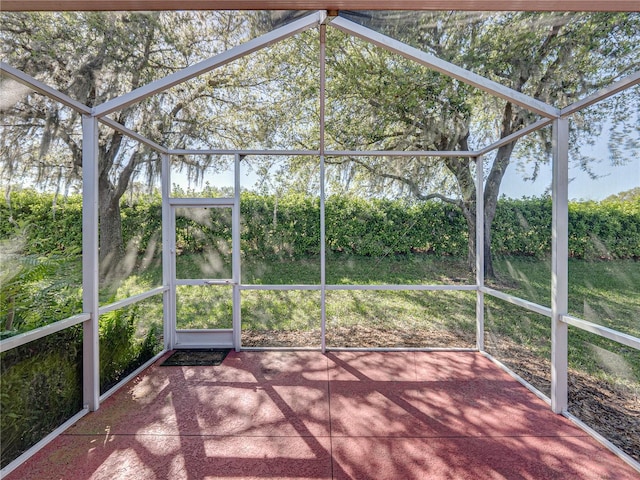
201, 357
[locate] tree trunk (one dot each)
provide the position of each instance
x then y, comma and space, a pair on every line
111, 246
112, 250
489, 271
470, 216
491, 192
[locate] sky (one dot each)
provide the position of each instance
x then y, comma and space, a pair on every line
610, 179
581, 187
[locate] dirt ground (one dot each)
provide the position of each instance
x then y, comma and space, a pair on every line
611, 410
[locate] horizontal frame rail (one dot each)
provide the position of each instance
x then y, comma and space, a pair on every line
331, 153
201, 202
400, 349
398, 288
451, 288
606, 332
399, 153
534, 307
26, 337
280, 287
200, 330
245, 153
205, 282
131, 300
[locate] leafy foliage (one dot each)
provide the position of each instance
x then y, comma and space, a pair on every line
36, 288
42, 380
41, 388
121, 349
288, 226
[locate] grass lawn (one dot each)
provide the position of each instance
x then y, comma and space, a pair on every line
606, 293
601, 292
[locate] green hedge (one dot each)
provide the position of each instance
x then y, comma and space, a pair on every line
42, 381
289, 226
41, 388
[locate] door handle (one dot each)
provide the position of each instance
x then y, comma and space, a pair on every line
218, 282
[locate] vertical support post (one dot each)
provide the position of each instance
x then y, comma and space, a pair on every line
480, 252
235, 256
167, 248
323, 278
559, 266
90, 264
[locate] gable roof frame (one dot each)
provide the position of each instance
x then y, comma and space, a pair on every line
444, 67
210, 64
305, 23
549, 112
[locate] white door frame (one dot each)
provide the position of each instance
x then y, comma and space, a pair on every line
206, 338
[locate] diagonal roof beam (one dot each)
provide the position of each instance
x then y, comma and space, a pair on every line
445, 67
210, 64
134, 135
40, 87
516, 135
622, 84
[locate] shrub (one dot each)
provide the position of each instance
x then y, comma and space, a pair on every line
121, 351
288, 226
41, 388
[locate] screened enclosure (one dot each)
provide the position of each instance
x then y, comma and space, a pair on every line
299, 180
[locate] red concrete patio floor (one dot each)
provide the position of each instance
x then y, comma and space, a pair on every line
343, 415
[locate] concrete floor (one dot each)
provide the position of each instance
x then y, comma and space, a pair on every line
341, 415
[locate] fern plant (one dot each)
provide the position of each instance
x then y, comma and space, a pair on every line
36, 289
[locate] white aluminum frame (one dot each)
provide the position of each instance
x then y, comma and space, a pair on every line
45, 90
210, 64
526, 304
202, 338
235, 255
167, 264
131, 300
602, 331
445, 67
90, 118
480, 252
90, 279
32, 335
560, 266
323, 245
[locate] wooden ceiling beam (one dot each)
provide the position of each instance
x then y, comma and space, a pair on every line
472, 5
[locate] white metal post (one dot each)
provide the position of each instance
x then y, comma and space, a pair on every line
323, 278
90, 278
480, 252
235, 256
559, 266
167, 271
